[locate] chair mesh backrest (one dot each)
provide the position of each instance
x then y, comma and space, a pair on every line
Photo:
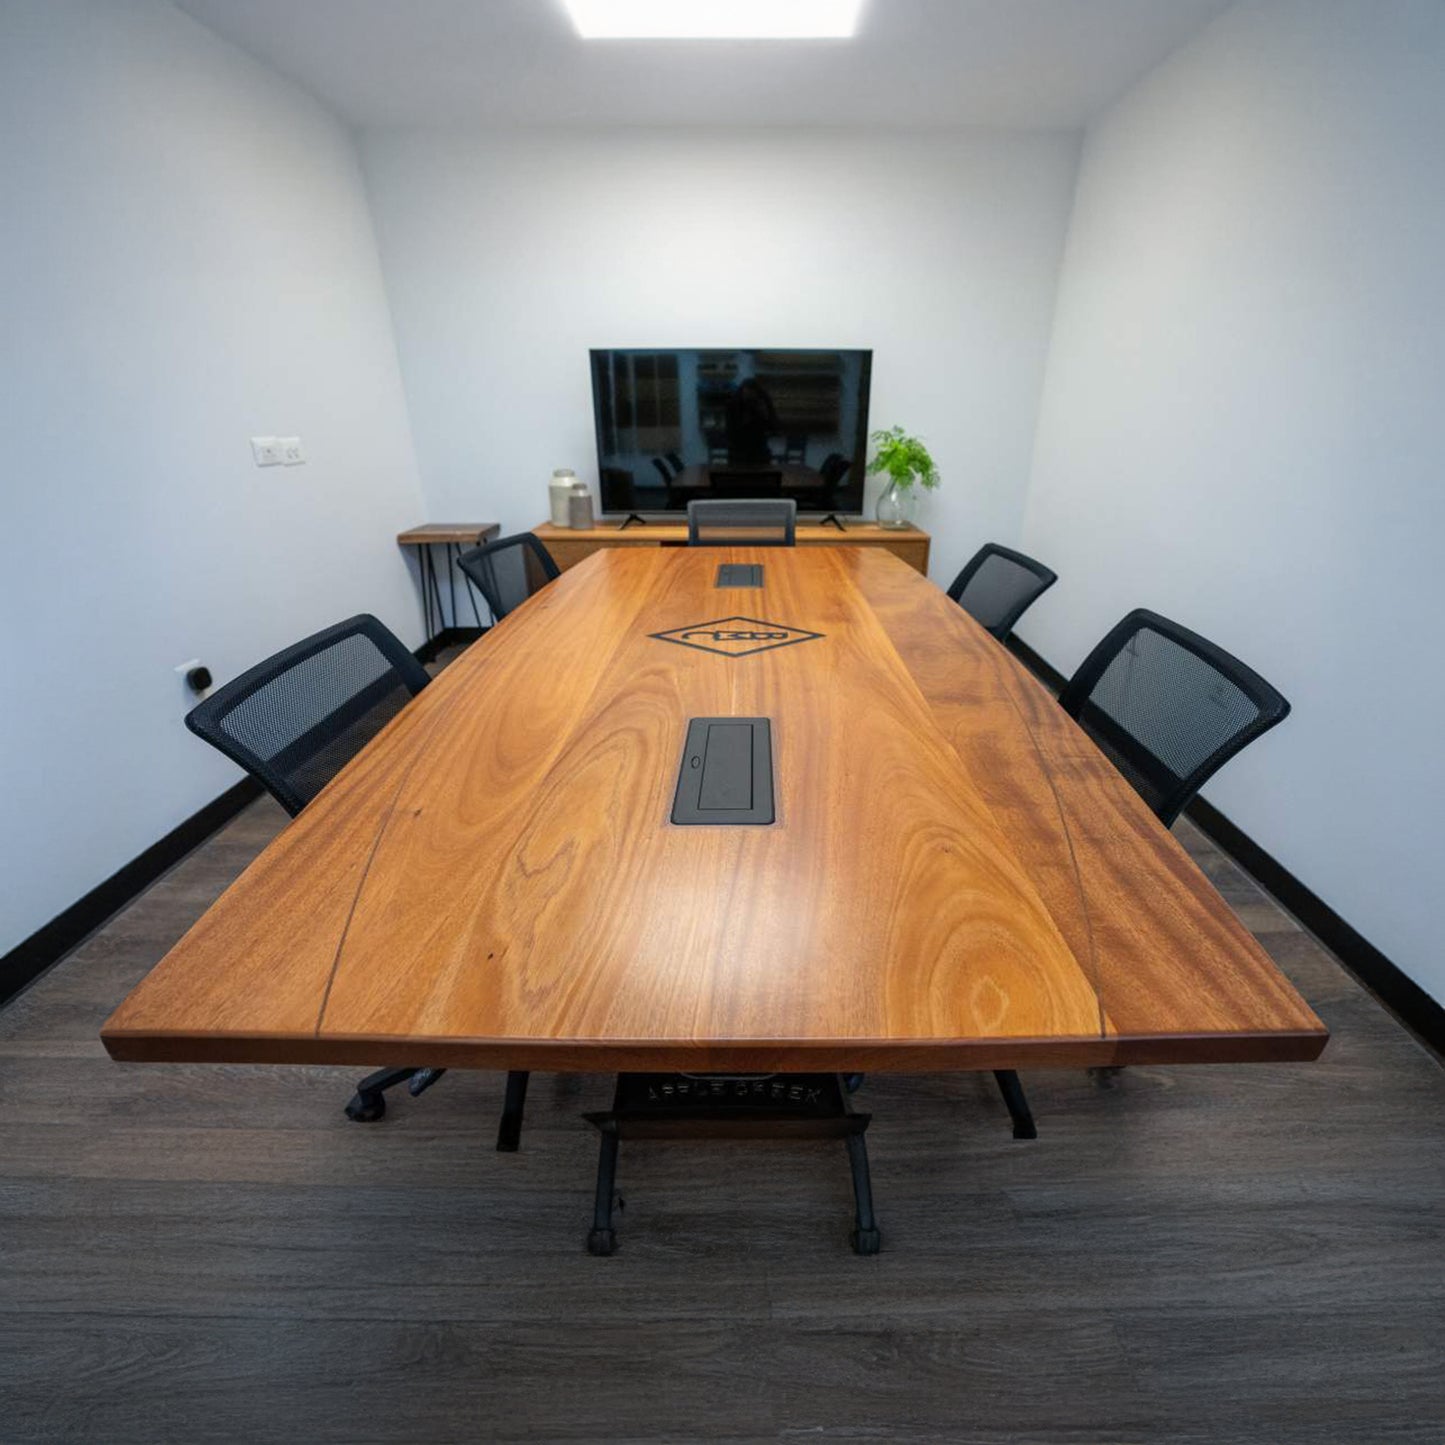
1168, 707
762, 523
999, 585
509, 571
296, 719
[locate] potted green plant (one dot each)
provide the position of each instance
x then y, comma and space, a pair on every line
905, 461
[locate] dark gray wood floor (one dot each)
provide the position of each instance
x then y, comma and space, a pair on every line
1195, 1254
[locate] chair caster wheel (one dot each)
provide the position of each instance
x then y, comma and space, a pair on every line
602, 1241
366, 1108
867, 1241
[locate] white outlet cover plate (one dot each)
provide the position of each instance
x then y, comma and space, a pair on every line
266, 451
291, 451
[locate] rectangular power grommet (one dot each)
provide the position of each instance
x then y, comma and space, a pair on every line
727, 772
740, 574
727, 768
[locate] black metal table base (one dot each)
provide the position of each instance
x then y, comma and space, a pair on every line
731, 1106
1017, 1104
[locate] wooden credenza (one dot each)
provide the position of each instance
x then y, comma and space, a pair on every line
569, 548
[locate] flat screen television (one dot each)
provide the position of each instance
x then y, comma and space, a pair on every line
674, 425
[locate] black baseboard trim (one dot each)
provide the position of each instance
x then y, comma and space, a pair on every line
1045, 671
50, 943
1394, 988
433, 647
1389, 983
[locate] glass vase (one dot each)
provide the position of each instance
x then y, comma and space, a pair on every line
895, 506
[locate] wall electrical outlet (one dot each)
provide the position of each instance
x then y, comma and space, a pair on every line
291, 453
267, 451
196, 676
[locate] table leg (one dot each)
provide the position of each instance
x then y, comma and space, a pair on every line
731, 1106
1018, 1104
425, 595
602, 1240
424, 564
866, 1236
509, 1135
436, 591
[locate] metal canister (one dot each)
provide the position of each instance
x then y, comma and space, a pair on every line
579, 508
559, 494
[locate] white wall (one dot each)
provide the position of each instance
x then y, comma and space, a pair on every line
1243, 423
509, 254
186, 259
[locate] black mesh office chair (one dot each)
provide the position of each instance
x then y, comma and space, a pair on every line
509, 571
293, 722
999, 585
1168, 707
763, 523
295, 719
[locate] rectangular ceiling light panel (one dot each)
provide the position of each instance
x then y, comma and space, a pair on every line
715, 19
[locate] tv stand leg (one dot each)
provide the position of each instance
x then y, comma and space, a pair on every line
629, 520
835, 519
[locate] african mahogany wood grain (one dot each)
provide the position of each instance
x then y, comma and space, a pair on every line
251, 977
883, 906
956, 879
568, 548
1174, 968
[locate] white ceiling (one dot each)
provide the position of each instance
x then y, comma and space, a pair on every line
1028, 63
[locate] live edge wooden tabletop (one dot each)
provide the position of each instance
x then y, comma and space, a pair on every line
957, 878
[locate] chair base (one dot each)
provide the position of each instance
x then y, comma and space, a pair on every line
731, 1106
368, 1103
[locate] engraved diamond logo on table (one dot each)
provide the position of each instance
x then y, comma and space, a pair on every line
736, 636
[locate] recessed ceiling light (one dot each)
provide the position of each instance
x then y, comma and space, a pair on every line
715, 19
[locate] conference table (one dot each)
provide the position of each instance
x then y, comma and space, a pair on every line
662, 825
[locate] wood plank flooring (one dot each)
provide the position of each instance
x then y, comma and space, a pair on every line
1206, 1254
